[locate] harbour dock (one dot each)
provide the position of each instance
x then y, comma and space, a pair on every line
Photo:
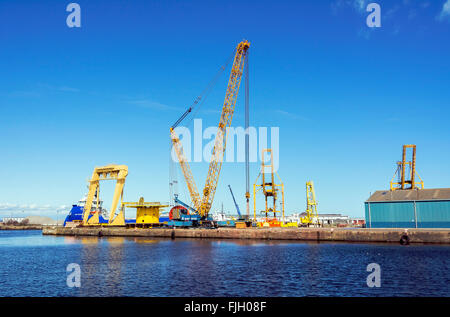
359, 235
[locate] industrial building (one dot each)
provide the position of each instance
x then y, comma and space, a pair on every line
407, 204
414, 208
12, 219
330, 219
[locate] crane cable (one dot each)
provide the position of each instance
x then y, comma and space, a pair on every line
247, 141
204, 94
173, 179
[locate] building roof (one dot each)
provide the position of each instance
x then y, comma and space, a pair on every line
410, 195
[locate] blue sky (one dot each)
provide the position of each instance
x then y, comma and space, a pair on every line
345, 97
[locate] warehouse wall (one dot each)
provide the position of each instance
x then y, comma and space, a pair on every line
434, 214
429, 214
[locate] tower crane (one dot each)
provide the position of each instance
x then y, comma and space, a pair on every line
203, 204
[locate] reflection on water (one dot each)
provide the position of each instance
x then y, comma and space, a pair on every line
145, 240
70, 240
115, 240
114, 262
101, 262
120, 266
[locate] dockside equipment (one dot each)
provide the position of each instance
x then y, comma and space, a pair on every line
147, 213
108, 172
243, 221
405, 168
270, 190
311, 218
202, 205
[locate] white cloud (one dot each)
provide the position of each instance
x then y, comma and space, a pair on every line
396, 30
68, 89
445, 13
146, 103
290, 114
365, 33
390, 13
358, 5
25, 210
412, 14
41, 89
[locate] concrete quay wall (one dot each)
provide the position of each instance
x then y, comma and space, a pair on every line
435, 236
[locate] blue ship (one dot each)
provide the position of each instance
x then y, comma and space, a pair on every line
75, 215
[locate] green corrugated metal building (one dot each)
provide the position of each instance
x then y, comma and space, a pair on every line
412, 208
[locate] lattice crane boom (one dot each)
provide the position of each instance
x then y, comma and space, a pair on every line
192, 187
203, 205
225, 122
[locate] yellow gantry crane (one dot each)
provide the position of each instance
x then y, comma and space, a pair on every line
311, 206
401, 172
269, 188
109, 172
203, 205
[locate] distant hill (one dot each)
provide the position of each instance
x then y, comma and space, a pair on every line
39, 220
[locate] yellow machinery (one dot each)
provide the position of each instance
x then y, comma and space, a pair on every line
401, 172
289, 224
203, 205
311, 217
147, 213
109, 172
269, 189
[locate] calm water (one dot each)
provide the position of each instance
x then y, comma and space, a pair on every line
35, 265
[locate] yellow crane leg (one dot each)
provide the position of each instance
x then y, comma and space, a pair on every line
119, 220
109, 172
88, 205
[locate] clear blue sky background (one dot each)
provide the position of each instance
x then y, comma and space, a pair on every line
345, 97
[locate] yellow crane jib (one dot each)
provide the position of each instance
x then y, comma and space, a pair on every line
109, 172
203, 205
225, 122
